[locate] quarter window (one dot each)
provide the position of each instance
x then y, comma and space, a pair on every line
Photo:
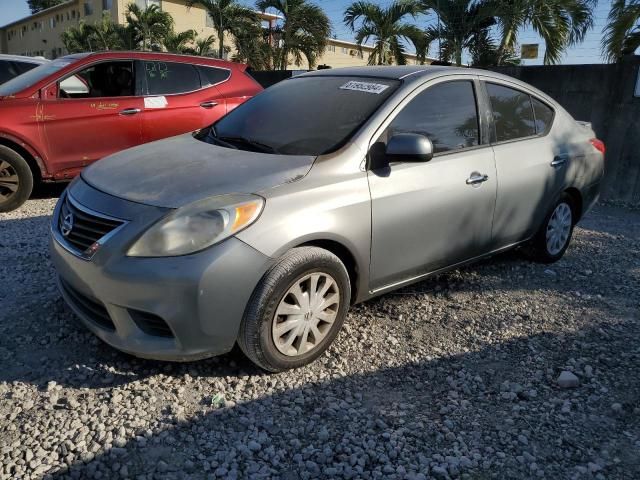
544, 116
166, 78
512, 113
212, 75
446, 113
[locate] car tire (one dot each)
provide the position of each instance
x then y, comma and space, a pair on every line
16, 179
552, 240
271, 317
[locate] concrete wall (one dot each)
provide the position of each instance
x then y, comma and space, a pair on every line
602, 95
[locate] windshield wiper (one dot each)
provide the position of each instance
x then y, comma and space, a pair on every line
211, 137
261, 147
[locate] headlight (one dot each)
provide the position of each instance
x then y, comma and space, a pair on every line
197, 226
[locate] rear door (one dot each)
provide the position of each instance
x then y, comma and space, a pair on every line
179, 98
531, 164
426, 216
91, 114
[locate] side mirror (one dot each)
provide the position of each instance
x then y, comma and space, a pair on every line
409, 147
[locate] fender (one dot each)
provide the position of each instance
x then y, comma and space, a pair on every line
31, 150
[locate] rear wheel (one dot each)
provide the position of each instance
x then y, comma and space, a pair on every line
16, 180
553, 238
296, 310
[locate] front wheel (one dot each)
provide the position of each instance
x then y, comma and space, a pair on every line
296, 311
553, 238
16, 180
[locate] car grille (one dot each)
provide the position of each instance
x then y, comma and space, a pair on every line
90, 308
81, 229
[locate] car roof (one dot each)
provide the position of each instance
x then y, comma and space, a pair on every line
21, 58
136, 55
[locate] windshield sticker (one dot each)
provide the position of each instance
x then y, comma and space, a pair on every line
367, 87
155, 102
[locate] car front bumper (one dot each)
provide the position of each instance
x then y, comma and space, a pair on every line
173, 308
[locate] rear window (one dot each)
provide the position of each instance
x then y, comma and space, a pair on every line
512, 113
167, 78
7, 71
24, 67
32, 77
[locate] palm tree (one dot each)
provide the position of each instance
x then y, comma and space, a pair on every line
303, 32
228, 16
253, 48
560, 23
180, 42
622, 33
203, 45
387, 27
150, 26
106, 34
77, 39
462, 24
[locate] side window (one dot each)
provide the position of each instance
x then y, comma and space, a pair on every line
446, 113
544, 116
212, 75
166, 78
512, 113
106, 79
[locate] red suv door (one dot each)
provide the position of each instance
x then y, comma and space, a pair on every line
180, 98
91, 114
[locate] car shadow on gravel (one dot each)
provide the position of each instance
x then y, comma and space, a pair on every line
401, 419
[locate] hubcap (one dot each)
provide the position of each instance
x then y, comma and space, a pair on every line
559, 228
9, 181
306, 314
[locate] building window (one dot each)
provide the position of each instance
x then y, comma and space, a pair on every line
107, 4
209, 21
331, 48
147, 3
52, 22
88, 9
344, 50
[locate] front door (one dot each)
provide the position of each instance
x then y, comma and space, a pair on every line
426, 216
91, 114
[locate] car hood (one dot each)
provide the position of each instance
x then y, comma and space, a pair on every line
177, 171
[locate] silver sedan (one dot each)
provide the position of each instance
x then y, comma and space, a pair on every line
323, 191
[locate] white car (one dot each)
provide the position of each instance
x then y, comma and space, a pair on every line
13, 65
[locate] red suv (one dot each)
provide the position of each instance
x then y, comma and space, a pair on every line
65, 114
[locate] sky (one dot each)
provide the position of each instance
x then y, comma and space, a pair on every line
586, 52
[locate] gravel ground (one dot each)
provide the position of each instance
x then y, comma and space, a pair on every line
453, 377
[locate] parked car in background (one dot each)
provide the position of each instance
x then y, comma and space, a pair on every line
13, 65
65, 114
324, 190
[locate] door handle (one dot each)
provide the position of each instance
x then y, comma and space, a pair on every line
130, 111
209, 104
477, 178
559, 160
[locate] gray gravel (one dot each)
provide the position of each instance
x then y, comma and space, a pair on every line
505, 369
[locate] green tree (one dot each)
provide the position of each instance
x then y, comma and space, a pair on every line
253, 48
303, 32
38, 5
461, 24
204, 46
149, 26
388, 28
228, 17
622, 33
560, 23
180, 42
78, 38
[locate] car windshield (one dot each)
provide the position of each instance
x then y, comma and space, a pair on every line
32, 77
302, 116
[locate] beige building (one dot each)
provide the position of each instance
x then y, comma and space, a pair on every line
39, 34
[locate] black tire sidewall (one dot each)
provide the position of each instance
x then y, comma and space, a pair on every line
25, 177
269, 294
